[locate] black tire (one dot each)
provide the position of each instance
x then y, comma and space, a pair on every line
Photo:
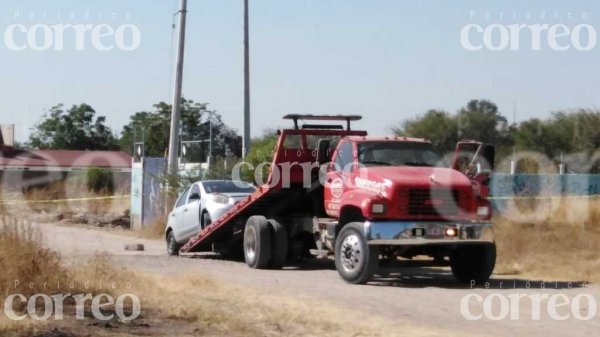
172, 245
206, 220
355, 260
257, 242
473, 263
279, 245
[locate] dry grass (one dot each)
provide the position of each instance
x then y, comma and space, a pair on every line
156, 230
29, 268
185, 305
556, 239
23, 259
38, 269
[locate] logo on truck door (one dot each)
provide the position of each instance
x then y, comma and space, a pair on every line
369, 185
337, 188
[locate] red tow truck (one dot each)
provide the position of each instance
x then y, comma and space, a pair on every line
332, 190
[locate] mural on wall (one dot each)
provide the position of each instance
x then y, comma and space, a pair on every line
153, 205
146, 198
137, 173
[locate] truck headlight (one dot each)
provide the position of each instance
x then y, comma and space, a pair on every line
483, 211
377, 208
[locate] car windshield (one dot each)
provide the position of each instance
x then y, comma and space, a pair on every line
397, 153
228, 186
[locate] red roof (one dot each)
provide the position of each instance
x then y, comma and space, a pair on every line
64, 158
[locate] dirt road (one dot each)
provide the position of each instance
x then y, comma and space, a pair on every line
427, 297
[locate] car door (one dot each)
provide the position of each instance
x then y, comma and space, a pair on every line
176, 217
191, 211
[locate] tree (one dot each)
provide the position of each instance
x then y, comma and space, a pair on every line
154, 128
261, 151
75, 129
436, 125
572, 135
480, 120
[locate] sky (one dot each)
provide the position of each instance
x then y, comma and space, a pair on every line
387, 60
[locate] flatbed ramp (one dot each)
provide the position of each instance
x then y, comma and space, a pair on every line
276, 199
222, 230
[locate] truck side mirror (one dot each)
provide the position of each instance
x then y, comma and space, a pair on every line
323, 151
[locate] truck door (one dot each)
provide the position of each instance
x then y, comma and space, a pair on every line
472, 157
337, 176
476, 161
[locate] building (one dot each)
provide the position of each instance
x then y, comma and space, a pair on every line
27, 168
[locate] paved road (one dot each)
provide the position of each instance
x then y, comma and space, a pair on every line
420, 296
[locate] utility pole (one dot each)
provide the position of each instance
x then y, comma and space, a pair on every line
513, 163
173, 164
210, 137
246, 139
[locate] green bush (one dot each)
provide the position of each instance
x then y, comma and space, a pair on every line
100, 180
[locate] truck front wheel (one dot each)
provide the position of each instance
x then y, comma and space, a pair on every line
473, 263
355, 260
257, 242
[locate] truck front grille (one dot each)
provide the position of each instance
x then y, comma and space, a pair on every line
433, 202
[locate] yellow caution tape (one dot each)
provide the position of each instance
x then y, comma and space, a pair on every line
62, 200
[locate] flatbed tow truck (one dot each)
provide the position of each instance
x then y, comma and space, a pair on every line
332, 190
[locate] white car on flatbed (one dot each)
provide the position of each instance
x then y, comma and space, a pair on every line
199, 205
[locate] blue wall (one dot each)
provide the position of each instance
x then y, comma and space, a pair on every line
504, 187
528, 185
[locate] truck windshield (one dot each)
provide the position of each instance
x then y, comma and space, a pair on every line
397, 153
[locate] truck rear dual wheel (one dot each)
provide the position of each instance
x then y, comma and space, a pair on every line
473, 263
265, 243
355, 260
279, 244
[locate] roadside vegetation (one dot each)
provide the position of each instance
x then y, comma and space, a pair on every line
560, 241
186, 305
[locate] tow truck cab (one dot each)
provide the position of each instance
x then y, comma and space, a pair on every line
389, 197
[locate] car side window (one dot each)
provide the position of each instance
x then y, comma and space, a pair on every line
344, 157
182, 198
195, 189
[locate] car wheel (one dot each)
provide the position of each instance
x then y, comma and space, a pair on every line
257, 242
206, 220
355, 260
172, 245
